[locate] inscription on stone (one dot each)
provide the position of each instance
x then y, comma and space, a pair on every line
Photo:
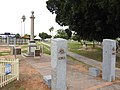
61, 51
109, 60
61, 54
61, 58
113, 51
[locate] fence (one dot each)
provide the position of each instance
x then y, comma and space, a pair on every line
19, 41
9, 71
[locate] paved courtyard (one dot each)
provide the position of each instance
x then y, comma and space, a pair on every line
76, 78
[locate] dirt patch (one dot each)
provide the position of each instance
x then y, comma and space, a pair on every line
30, 79
7, 57
4, 48
82, 68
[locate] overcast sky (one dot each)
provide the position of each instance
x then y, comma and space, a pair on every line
13, 10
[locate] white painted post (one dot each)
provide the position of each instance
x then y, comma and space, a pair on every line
15, 41
7, 40
58, 62
109, 59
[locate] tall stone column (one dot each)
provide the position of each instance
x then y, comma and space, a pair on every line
32, 26
31, 46
58, 63
109, 59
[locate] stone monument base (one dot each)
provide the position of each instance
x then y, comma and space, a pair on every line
31, 49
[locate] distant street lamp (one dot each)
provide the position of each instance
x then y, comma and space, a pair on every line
24, 18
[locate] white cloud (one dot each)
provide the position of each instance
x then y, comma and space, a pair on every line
12, 11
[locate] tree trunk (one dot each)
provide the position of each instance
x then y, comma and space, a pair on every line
81, 42
93, 44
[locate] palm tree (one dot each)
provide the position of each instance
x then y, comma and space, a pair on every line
51, 30
24, 18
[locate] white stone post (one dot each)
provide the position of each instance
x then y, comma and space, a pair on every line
14, 41
58, 62
7, 40
109, 59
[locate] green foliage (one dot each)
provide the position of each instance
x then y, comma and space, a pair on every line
61, 33
27, 36
69, 32
44, 35
93, 53
76, 37
90, 19
17, 35
51, 29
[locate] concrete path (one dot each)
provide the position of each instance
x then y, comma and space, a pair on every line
76, 79
90, 62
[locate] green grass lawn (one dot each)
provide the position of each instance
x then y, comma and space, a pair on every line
90, 52
24, 48
4, 53
46, 49
93, 53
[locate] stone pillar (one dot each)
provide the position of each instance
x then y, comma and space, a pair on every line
31, 46
32, 26
58, 63
7, 40
109, 59
15, 41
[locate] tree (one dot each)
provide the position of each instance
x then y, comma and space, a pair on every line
61, 34
27, 36
90, 19
51, 30
44, 35
17, 35
69, 32
24, 18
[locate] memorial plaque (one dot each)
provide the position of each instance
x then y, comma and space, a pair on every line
37, 52
8, 69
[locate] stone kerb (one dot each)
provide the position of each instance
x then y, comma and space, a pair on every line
58, 63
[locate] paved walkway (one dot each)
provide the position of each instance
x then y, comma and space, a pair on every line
91, 62
76, 79
88, 61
